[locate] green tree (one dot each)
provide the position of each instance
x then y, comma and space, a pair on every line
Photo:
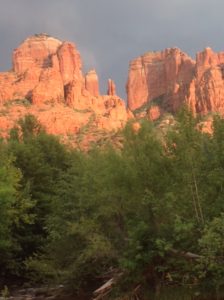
14, 212
42, 159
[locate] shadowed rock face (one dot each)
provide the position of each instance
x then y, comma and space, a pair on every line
48, 74
170, 78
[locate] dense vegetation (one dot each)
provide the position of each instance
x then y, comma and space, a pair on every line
149, 215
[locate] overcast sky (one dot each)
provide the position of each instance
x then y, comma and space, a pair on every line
109, 33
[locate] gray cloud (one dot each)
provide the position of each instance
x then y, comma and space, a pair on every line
111, 33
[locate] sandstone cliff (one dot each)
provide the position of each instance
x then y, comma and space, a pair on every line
47, 81
163, 81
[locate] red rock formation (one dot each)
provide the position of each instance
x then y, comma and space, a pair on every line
158, 76
50, 85
34, 63
48, 73
111, 90
73, 94
47, 81
206, 60
91, 83
209, 82
70, 62
170, 78
35, 52
154, 113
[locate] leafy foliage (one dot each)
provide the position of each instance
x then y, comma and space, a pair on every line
150, 213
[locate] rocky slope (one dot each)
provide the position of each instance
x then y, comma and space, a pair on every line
47, 81
161, 82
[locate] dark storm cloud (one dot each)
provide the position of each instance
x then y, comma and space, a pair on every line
110, 33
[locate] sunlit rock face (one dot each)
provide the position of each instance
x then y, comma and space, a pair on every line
209, 82
47, 81
157, 75
47, 75
170, 78
91, 83
111, 89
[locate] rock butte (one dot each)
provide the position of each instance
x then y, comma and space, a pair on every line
163, 81
47, 77
47, 81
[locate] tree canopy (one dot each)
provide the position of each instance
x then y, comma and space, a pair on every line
148, 215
